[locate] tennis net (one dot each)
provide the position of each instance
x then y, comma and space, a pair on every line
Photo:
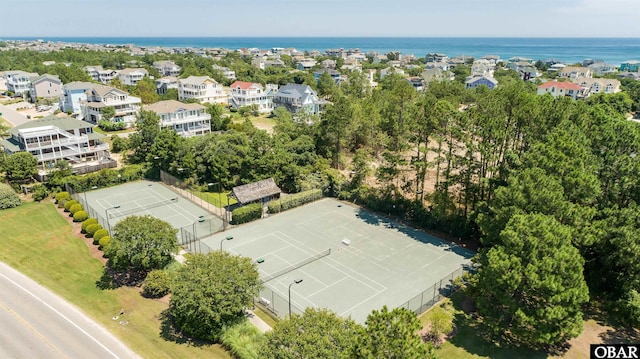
296, 266
123, 212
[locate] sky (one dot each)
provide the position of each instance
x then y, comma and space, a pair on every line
330, 18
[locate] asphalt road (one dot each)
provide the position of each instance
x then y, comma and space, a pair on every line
13, 116
35, 323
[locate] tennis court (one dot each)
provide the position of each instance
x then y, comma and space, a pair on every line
350, 260
113, 204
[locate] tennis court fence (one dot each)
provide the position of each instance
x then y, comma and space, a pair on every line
445, 287
99, 215
276, 303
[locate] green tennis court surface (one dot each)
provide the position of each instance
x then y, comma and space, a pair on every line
113, 204
372, 261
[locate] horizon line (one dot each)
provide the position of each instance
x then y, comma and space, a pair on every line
321, 37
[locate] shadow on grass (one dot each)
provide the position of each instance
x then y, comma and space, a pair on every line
112, 279
169, 332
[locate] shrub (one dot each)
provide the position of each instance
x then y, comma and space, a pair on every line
119, 144
69, 203
92, 229
157, 284
104, 242
99, 234
247, 213
80, 216
243, 340
8, 197
294, 200
62, 196
88, 222
40, 192
75, 208
112, 126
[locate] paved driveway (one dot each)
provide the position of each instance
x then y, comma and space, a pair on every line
12, 116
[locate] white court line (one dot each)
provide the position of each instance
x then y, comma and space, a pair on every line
177, 208
327, 286
359, 304
343, 272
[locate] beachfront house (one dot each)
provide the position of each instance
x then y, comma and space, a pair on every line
297, 98
45, 87
187, 119
73, 94
436, 57
476, 81
202, 89
54, 138
558, 89
100, 96
19, 82
167, 68
573, 72
131, 77
630, 66
250, 93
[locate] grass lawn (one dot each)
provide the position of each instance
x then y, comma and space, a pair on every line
37, 241
109, 133
217, 199
265, 316
262, 122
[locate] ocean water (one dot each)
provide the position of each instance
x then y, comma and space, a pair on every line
568, 50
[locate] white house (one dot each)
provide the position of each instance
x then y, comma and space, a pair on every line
598, 85
19, 82
187, 119
249, 93
166, 83
131, 77
306, 64
101, 96
572, 72
226, 72
202, 89
73, 94
167, 68
297, 98
97, 73
45, 86
557, 89
56, 138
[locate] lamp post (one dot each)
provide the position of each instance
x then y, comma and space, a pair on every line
86, 204
295, 281
106, 213
227, 238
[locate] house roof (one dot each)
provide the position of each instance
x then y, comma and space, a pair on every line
64, 123
255, 191
93, 68
79, 85
330, 71
170, 106
244, 85
163, 63
196, 80
560, 85
129, 71
52, 78
102, 90
478, 78
295, 91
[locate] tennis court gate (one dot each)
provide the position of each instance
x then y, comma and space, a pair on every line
445, 287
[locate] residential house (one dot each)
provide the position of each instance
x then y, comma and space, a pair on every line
528, 73
187, 119
328, 64
442, 65
339, 53
417, 82
351, 65
573, 72
492, 59
167, 68
73, 94
389, 71
517, 65
100, 96
97, 73
306, 64
482, 67
249, 93
557, 67
436, 57
598, 85
557, 89
520, 59
371, 77
165, 83
602, 68
19, 82
475, 81
437, 74
203, 89
54, 138
335, 75
297, 98
630, 66
131, 77
226, 72
629, 75
45, 86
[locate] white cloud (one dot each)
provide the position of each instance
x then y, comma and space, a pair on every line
629, 8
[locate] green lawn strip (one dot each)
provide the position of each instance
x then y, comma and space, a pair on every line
217, 199
467, 342
37, 241
265, 316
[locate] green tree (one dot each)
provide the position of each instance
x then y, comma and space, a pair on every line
108, 113
21, 167
530, 288
141, 142
392, 334
141, 243
146, 90
211, 291
317, 333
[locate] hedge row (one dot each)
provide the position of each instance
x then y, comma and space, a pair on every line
294, 200
247, 213
8, 197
